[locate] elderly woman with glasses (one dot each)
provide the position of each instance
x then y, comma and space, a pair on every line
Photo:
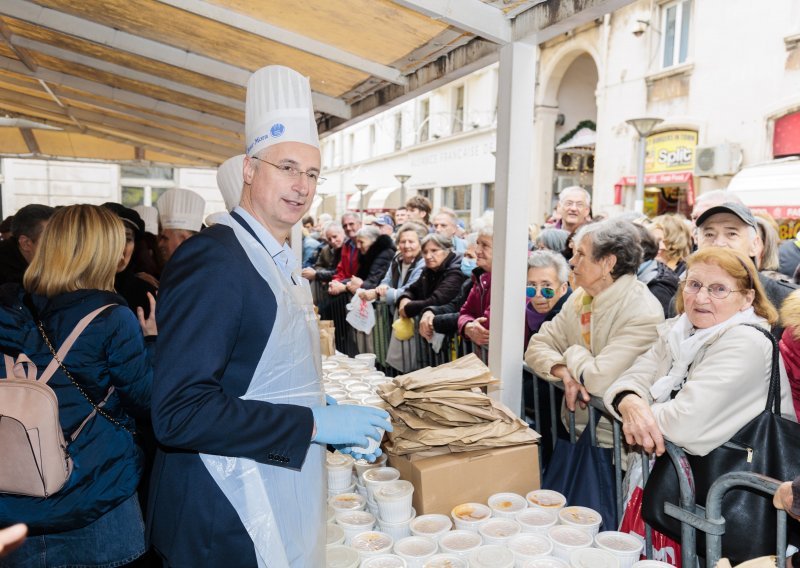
547, 289
609, 321
708, 373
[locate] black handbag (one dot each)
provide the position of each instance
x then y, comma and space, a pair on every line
769, 445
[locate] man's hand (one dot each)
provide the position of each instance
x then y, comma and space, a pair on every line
382, 290
476, 333
401, 308
639, 424
335, 288
148, 325
426, 325
11, 538
784, 498
308, 273
573, 390
354, 284
368, 295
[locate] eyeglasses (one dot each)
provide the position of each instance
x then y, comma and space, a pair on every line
293, 173
718, 291
547, 293
577, 204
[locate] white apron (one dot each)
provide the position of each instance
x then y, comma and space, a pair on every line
283, 510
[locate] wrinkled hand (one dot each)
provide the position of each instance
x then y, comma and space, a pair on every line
574, 391
148, 325
426, 325
354, 284
401, 308
349, 425
476, 333
11, 538
639, 424
382, 290
335, 288
784, 499
368, 295
308, 273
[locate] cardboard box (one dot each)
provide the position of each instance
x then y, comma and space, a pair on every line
442, 482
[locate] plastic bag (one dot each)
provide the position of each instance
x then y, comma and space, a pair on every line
361, 314
403, 328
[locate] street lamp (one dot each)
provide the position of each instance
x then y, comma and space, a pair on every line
402, 178
361, 187
643, 126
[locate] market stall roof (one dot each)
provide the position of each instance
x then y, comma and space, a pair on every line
385, 198
773, 187
164, 81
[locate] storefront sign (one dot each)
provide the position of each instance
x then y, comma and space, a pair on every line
672, 151
788, 219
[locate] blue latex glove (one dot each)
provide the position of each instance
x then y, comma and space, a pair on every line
356, 456
330, 400
348, 424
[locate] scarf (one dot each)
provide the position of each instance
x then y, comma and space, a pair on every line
586, 319
683, 343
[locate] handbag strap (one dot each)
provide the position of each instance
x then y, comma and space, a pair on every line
774, 395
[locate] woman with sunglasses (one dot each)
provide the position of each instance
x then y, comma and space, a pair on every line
547, 289
708, 373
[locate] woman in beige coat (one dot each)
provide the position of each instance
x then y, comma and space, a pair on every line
708, 374
606, 323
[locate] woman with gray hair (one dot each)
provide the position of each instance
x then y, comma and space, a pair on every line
375, 253
405, 268
609, 321
547, 289
552, 239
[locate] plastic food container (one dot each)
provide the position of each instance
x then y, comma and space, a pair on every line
348, 502
363, 465
592, 558
415, 550
627, 548
507, 505
384, 561
394, 500
536, 520
499, 531
443, 560
431, 526
491, 556
373, 443
529, 546
397, 530
651, 564
567, 539
359, 386
546, 499
334, 534
368, 359
470, 516
373, 479
331, 514
460, 542
340, 556
546, 562
584, 518
355, 522
340, 470
372, 543
349, 489
339, 375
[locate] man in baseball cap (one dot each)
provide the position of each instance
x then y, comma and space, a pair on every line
384, 223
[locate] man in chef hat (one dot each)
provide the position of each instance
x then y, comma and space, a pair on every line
180, 212
237, 403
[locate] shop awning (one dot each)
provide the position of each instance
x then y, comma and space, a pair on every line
773, 187
384, 198
354, 200
659, 179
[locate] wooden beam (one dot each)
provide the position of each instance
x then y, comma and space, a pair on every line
20, 52
552, 18
292, 39
30, 141
473, 16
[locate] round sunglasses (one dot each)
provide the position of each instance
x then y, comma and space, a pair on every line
547, 293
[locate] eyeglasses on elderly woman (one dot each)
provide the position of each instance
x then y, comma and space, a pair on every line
547, 293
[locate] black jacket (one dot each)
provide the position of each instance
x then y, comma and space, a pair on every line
663, 285
446, 317
12, 263
373, 265
327, 261
435, 287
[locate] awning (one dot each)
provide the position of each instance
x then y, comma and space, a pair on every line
773, 187
583, 138
660, 179
323, 203
385, 198
354, 200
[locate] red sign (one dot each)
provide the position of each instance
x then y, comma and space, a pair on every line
786, 140
663, 178
777, 211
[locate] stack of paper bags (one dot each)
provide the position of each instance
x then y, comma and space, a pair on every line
327, 338
443, 409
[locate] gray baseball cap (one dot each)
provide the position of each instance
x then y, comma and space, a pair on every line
741, 211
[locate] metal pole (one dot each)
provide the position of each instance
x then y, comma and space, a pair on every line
639, 204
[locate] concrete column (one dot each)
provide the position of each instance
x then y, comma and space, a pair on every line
515, 147
544, 134
476, 203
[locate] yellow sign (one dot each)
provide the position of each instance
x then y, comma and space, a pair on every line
671, 151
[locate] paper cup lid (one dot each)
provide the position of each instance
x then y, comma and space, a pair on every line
569, 536
431, 524
355, 518
460, 540
508, 502
536, 517
471, 512
348, 501
546, 498
592, 558
618, 541
335, 460
445, 561
415, 546
384, 561
371, 541
340, 556
491, 556
530, 545
334, 533
580, 516
399, 489
499, 528
379, 474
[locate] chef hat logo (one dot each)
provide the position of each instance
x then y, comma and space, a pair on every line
277, 130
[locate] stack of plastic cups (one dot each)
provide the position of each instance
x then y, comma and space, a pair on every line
368, 358
460, 542
583, 518
431, 526
568, 539
335, 535
354, 523
592, 558
342, 557
507, 505
373, 479
384, 561
527, 546
415, 550
394, 506
491, 556
626, 547
372, 543
397, 530
348, 502
340, 473
535, 520
499, 531
362, 466
546, 499
470, 516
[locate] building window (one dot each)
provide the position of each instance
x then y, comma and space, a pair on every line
488, 196
427, 193
458, 198
786, 140
676, 18
458, 109
398, 131
423, 122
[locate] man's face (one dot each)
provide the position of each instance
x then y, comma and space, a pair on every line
28, 246
384, 229
127, 252
415, 214
335, 239
169, 240
727, 230
351, 226
401, 216
573, 208
275, 198
444, 225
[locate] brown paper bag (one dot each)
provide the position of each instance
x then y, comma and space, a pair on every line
327, 337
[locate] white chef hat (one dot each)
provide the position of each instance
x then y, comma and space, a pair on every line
230, 180
278, 109
180, 208
215, 217
150, 217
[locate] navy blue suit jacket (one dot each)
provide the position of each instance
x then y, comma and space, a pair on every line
215, 315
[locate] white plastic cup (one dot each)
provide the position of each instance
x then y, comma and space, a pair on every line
354, 523
583, 518
337, 394
368, 358
415, 550
331, 514
375, 400
373, 478
397, 530
359, 386
527, 546
546, 562
536, 520
348, 502
592, 558
329, 365
460, 542
627, 548
394, 500
334, 534
470, 516
443, 560
372, 543
491, 556
384, 561
340, 470
363, 465
507, 505
499, 531
339, 375
341, 556
567, 539
362, 397
431, 526
349, 489
546, 499
651, 564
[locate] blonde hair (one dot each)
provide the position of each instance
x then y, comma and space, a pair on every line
790, 313
80, 249
740, 268
677, 236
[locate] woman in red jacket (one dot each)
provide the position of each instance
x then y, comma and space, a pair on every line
790, 345
473, 321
